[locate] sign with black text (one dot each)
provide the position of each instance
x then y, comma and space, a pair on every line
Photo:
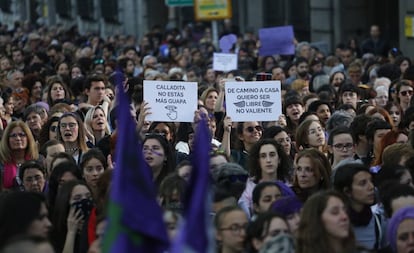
171, 101
253, 101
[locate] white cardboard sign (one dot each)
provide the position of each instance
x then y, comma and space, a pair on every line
171, 101
253, 101
224, 62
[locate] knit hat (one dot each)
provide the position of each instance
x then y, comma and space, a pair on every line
291, 100
394, 223
287, 205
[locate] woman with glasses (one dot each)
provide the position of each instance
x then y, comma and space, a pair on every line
325, 226
341, 145
231, 223
404, 90
266, 226
48, 131
16, 147
247, 134
71, 132
267, 162
312, 173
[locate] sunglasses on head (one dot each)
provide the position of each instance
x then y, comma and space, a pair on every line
251, 129
404, 93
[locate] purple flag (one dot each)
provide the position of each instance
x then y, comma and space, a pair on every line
196, 231
135, 221
276, 40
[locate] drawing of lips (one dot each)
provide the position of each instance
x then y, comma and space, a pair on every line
267, 103
240, 104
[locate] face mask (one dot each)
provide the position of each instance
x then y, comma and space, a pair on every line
85, 205
174, 206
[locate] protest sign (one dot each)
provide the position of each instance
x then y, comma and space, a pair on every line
224, 62
171, 101
253, 101
276, 40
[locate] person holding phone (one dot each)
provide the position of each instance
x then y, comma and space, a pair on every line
70, 216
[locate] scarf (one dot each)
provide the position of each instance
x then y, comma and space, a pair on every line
360, 219
10, 172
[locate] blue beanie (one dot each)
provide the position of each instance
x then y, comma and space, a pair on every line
394, 223
287, 205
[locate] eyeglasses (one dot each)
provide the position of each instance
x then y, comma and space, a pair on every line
37, 178
70, 125
161, 132
251, 129
236, 229
15, 135
53, 129
341, 146
405, 92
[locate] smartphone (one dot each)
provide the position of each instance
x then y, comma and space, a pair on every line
263, 76
84, 205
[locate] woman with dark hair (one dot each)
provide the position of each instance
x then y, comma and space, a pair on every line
57, 91
23, 213
396, 113
341, 145
403, 62
72, 133
312, 173
247, 134
266, 226
310, 134
265, 193
8, 101
159, 157
167, 129
34, 83
267, 163
230, 225
282, 137
93, 165
325, 225
74, 204
48, 131
356, 183
61, 173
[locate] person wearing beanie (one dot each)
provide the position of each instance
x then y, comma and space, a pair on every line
323, 109
293, 109
289, 207
400, 231
349, 94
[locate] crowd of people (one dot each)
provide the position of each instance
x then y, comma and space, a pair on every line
333, 173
